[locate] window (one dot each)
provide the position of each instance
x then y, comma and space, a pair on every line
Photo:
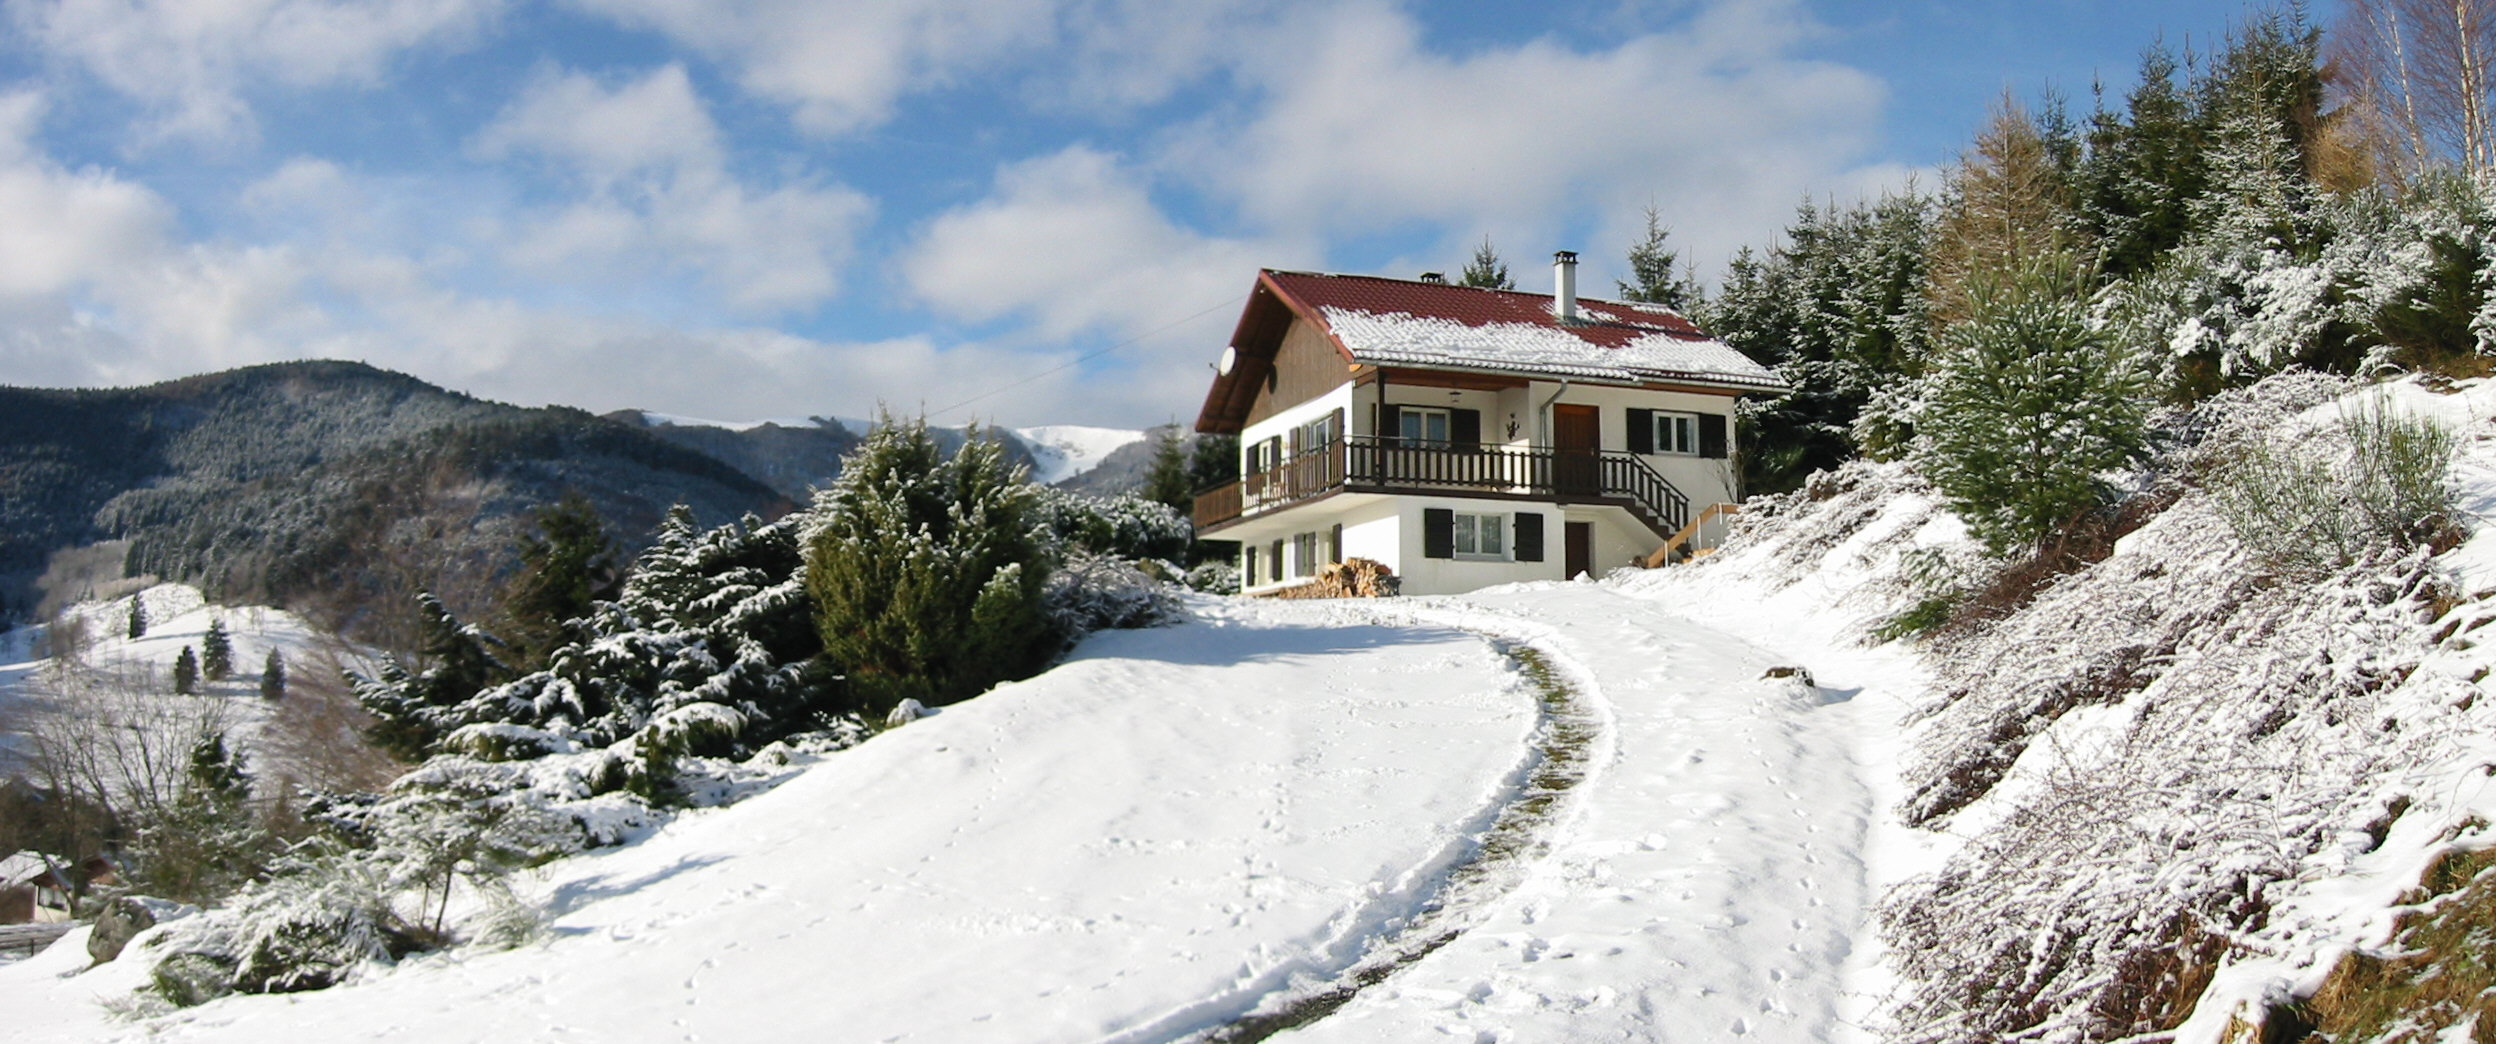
1677, 433
1304, 554
1481, 536
1316, 434
1423, 426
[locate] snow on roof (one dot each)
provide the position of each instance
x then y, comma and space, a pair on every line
21, 868
1401, 322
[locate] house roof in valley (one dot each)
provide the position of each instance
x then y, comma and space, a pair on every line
1376, 321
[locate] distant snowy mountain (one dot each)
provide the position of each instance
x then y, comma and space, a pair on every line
795, 455
1063, 451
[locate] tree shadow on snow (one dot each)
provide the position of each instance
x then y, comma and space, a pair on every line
1218, 646
574, 895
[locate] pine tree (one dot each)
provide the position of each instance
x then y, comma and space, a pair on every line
927, 573
1486, 269
273, 677
2028, 407
138, 617
1167, 482
216, 652
186, 673
2143, 171
568, 564
413, 708
1655, 276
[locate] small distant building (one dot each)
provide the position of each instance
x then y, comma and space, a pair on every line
1465, 437
34, 888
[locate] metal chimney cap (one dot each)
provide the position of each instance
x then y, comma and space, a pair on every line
1565, 257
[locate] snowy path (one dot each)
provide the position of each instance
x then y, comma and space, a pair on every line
1712, 884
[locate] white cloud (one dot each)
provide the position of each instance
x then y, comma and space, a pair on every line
1073, 242
193, 61
656, 121
658, 199
66, 230
1362, 128
843, 67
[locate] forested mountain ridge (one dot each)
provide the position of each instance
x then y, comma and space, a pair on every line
300, 480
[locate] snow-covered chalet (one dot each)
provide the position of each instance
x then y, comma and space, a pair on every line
1466, 437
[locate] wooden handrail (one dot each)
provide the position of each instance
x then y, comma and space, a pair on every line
1665, 553
1385, 465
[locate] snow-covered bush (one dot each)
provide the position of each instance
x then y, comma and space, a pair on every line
306, 929
1124, 526
1219, 576
2310, 502
1098, 593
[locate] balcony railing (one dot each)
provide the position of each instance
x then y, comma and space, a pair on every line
1369, 464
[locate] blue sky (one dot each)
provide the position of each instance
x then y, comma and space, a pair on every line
1046, 209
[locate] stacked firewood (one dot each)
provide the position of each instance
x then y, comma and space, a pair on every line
1351, 578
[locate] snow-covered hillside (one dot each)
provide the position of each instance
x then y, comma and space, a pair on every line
1186, 824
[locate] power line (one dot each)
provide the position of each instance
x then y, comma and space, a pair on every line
1091, 355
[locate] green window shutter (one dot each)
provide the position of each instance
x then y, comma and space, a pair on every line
1529, 536
1438, 533
1642, 431
1712, 436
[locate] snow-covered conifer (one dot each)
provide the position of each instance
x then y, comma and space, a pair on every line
216, 652
186, 672
2028, 407
927, 573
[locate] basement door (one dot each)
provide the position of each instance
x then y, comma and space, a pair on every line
1579, 549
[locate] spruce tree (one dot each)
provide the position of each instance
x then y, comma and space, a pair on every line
2028, 406
927, 573
1656, 276
216, 652
1486, 269
1167, 482
273, 677
186, 673
138, 617
568, 564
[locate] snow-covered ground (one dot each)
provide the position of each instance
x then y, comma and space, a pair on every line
1185, 823
177, 617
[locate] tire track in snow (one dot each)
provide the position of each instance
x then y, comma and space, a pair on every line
1437, 902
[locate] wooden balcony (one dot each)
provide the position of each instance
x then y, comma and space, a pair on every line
1373, 465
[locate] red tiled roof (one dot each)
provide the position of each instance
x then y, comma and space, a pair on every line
1613, 323
1406, 323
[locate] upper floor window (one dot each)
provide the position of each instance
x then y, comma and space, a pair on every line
1677, 433
1424, 426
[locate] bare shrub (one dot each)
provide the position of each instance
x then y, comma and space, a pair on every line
2376, 480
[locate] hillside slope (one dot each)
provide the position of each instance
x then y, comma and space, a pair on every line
273, 482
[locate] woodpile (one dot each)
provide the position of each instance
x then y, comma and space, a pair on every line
1351, 578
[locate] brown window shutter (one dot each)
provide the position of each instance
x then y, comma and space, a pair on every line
1642, 431
1464, 428
1438, 533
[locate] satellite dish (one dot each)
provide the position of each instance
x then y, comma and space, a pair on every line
1230, 361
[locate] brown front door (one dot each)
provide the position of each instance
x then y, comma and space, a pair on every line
1576, 435
1579, 542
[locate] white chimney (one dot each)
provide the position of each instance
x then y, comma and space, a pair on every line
1564, 285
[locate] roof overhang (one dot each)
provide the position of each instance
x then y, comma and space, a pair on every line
1255, 343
